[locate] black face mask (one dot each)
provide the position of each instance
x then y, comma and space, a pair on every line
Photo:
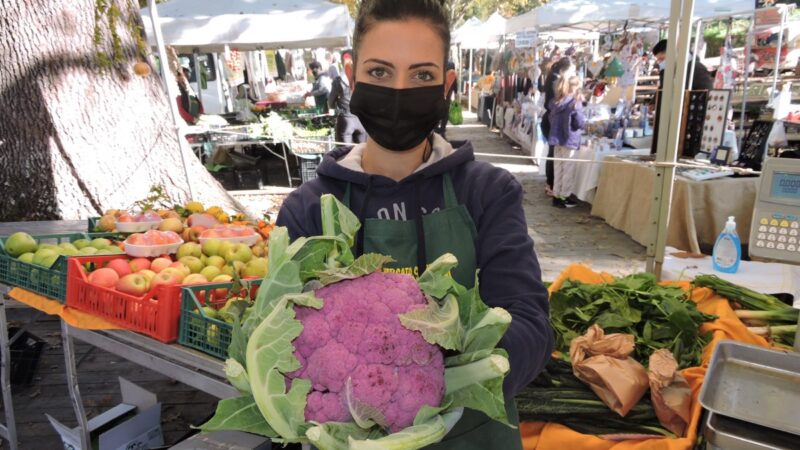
398, 119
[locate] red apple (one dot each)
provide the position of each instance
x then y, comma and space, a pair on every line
139, 264
180, 274
104, 277
160, 264
120, 266
166, 278
133, 284
221, 293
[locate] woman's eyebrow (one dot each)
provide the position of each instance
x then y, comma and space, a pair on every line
380, 61
426, 64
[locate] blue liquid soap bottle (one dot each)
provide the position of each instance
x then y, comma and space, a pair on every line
728, 249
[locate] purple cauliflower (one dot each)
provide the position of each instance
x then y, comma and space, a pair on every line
357, 338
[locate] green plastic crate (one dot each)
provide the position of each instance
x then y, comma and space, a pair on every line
92, 224
198, 330
49, 282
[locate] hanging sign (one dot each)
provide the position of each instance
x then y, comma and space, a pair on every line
527, 39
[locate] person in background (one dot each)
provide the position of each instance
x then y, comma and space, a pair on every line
348, 128
189, 106
451, 93
419, 196
321, 87
566, 127
553, 77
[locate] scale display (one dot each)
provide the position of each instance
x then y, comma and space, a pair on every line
775, 233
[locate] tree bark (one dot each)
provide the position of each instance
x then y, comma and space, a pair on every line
76, 140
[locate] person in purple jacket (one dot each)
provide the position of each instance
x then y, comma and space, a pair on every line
419, 196
566, 128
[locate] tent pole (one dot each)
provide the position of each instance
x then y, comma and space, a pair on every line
680, 23
469, 82
778, 52
747, 51
171, 94
693, 55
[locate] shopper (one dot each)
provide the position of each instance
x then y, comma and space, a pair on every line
556, 71
566, 127
348, 128
321, 87
451, 93
189, 106
419, 196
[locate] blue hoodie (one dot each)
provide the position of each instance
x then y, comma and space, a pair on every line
566, 122
509, 274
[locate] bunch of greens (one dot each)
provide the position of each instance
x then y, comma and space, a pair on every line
658, 316
764, 314
262, 347
556, 395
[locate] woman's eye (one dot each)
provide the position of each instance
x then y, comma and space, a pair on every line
425, 76
378, 73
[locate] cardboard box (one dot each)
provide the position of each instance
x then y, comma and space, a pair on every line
224, 440
134, 424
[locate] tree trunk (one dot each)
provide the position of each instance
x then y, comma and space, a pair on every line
76, 140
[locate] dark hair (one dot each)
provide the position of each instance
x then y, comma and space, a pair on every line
661, 47
313, 65
561, 65
374, 11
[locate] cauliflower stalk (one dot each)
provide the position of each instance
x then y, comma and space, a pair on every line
336, 353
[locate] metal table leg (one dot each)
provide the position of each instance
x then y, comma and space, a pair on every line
9, 430
72, 385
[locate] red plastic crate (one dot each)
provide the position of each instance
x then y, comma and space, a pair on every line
158, 317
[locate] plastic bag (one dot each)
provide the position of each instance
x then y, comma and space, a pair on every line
456, 116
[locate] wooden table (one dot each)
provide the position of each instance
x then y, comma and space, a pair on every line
699, 208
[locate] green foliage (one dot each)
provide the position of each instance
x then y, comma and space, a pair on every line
715, 32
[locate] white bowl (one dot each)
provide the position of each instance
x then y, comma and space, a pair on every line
151, 251
136, 227
247, 240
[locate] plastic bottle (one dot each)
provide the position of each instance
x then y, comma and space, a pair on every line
728, 249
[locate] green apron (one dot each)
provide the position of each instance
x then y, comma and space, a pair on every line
450, 230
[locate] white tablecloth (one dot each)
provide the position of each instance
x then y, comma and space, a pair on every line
767, 278
587, 175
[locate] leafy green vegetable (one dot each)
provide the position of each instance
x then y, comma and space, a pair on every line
658, 316
239, 414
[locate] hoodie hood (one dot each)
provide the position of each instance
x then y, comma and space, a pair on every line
330, 167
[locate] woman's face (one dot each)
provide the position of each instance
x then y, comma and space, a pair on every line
402, 55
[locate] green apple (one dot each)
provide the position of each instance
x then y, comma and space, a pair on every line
114, 250
81, 243
211, 272
256, 268
211, 247
19, 243
100, 243
224, 246
189, 249
103, 252
68, 247
216, 261
204, 259
238, 252
192, 262
26, 258
87, 251
234, 267
69, 251
45, 257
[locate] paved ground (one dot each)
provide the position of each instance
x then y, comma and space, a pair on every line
562, 236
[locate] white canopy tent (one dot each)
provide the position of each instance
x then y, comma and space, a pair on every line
210, 25
475, 34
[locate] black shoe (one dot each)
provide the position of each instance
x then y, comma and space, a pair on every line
569, 203
559, 203
573, 198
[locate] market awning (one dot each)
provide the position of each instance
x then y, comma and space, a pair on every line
209, 25
475, 34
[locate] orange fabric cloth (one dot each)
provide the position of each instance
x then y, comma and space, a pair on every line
77, 319
551, 436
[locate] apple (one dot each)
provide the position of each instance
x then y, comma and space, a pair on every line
81, 243
139, 264
256, 268
148, 275
167, 277
104, 277
203, 220
189, 249
133, 284
26, 258
204, 259
67, 247
216, 261
234, 267
107, 223
195, 278
114, 250
160, 264
180, 273
211, 272
87, 251
192, 263
104, 252
120, 266
171, 224
192, 234
19, 243
211, 247
100, 243
259, 250
45, 257
180, 266
238, 252
221, 293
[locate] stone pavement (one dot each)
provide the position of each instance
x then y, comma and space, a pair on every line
562, 236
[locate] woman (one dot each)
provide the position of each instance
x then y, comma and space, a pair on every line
348, 129
418, 196
553, 77
566, 128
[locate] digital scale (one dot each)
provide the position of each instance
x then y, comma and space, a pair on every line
775, 233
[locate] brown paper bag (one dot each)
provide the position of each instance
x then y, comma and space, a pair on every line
671, 394
604, 363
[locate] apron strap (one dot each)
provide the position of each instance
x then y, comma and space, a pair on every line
422, 257
346, 198
450, 199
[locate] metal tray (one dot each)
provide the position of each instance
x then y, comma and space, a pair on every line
731, 434
755, 385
